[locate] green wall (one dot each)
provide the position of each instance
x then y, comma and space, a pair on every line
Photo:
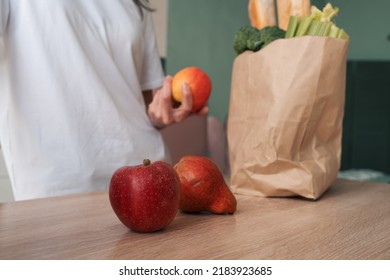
200, 32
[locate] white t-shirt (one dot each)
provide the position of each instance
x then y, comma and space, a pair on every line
71, 104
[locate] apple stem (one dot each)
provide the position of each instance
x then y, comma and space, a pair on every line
146, 162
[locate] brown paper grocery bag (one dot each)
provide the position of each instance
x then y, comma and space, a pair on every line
285, 117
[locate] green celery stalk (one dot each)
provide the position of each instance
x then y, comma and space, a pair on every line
314, 28
324, 28
292, 26
329, 12
318, 23
343, 35
326, 31
315, 13
334, 31
304, 26
321, 29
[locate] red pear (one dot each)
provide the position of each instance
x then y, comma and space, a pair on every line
203, 187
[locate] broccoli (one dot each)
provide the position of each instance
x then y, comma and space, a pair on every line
270, 34
241, 38
253, 39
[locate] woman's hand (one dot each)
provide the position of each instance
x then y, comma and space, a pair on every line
161, 111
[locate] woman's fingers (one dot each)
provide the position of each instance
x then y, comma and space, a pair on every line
161, 110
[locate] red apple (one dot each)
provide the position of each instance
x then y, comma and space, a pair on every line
145, 197
199, 83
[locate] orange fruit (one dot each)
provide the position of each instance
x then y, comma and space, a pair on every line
199, 83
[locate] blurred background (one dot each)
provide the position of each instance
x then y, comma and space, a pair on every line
201, 33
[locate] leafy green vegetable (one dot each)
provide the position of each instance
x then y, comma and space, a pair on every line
253, 39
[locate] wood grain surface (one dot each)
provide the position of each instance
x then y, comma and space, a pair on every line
351, 221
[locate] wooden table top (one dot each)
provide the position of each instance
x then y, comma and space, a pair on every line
351, 221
